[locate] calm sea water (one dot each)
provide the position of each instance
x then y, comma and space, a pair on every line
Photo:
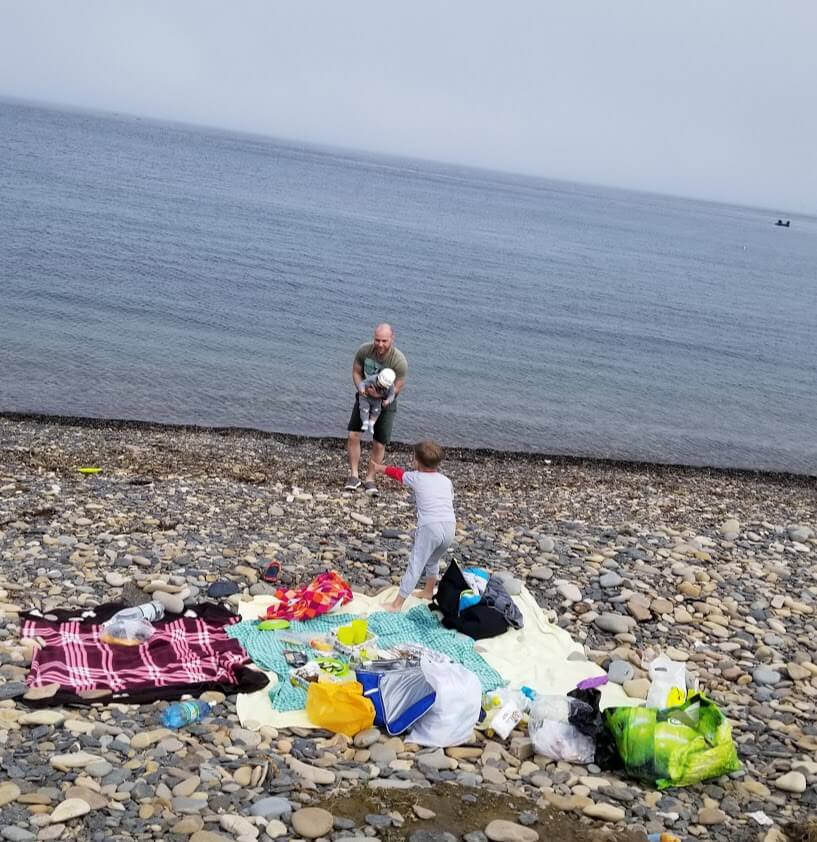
170, 273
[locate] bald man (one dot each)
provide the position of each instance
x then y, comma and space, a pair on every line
370, 359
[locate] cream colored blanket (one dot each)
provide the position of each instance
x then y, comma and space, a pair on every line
535, 656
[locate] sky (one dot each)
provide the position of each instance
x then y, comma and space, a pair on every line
704, 98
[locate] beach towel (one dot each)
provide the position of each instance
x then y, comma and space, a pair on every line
418, 625
320, 596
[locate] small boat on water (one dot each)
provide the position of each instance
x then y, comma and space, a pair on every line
781, 224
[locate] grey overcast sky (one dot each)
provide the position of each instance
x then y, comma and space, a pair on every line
710, 98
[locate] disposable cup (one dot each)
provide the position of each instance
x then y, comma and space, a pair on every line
346, 635
360, 631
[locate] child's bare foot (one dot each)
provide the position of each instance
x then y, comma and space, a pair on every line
427, 592
395, 605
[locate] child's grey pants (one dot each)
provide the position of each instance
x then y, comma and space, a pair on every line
369, 409
430, 542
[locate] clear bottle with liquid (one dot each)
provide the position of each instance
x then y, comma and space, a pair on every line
150, 611
180, 714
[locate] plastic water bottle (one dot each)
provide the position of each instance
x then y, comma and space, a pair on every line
180, 714
150, 611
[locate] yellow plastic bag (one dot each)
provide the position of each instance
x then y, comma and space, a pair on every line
341, 708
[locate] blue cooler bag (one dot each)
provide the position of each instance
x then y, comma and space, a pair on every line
400, 696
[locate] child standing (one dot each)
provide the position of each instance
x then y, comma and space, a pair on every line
434, 497
383, 383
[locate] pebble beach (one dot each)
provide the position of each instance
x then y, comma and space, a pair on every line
717, 569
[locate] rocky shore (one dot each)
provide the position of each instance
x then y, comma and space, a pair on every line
717, 569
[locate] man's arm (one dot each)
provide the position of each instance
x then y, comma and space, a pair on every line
357, 374
401, 372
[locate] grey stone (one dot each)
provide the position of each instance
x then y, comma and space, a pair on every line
171, 602
12, 689
512, 585
800, 533
17, 834
614, 623
382, 754
364, 739
620, 671
378, 821
395, 783
221, 589
765, 675
343, 824
569, 591
547, 545
188, 805
271, 808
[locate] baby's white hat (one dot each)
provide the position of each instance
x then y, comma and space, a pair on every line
386, 378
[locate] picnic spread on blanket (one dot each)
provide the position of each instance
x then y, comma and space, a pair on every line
322, 656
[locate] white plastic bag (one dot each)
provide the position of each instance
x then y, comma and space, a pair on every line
552, 734
554, 708
666, 675
452, 717
125, 631
562, 741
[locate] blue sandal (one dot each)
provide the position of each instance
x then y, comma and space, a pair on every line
271, 572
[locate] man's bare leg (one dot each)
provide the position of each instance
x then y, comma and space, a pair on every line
353, 449
377, 455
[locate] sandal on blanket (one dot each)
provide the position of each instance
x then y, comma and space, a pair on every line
271, 572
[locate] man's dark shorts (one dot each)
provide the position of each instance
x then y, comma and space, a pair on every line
383, 425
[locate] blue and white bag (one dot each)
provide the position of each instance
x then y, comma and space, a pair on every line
400, 696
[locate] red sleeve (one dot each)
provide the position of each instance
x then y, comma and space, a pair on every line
395, 473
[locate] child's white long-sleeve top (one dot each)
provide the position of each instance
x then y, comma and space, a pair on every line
433, 494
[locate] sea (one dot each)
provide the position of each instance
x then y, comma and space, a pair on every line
180, 274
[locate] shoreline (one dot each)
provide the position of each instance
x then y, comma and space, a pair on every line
462, 453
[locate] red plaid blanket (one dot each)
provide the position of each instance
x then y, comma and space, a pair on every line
186, 653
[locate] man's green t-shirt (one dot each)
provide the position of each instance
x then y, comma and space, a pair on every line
394, 359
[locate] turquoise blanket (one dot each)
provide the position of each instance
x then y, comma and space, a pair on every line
415, 626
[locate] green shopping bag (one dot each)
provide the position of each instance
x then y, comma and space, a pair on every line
676, 746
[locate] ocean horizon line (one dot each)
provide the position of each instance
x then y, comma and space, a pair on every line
372, 155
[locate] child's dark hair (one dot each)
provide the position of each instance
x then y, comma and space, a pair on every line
428, 453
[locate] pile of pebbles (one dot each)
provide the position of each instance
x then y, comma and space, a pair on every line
715, 569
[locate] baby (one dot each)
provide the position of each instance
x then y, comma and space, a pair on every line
383, 383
